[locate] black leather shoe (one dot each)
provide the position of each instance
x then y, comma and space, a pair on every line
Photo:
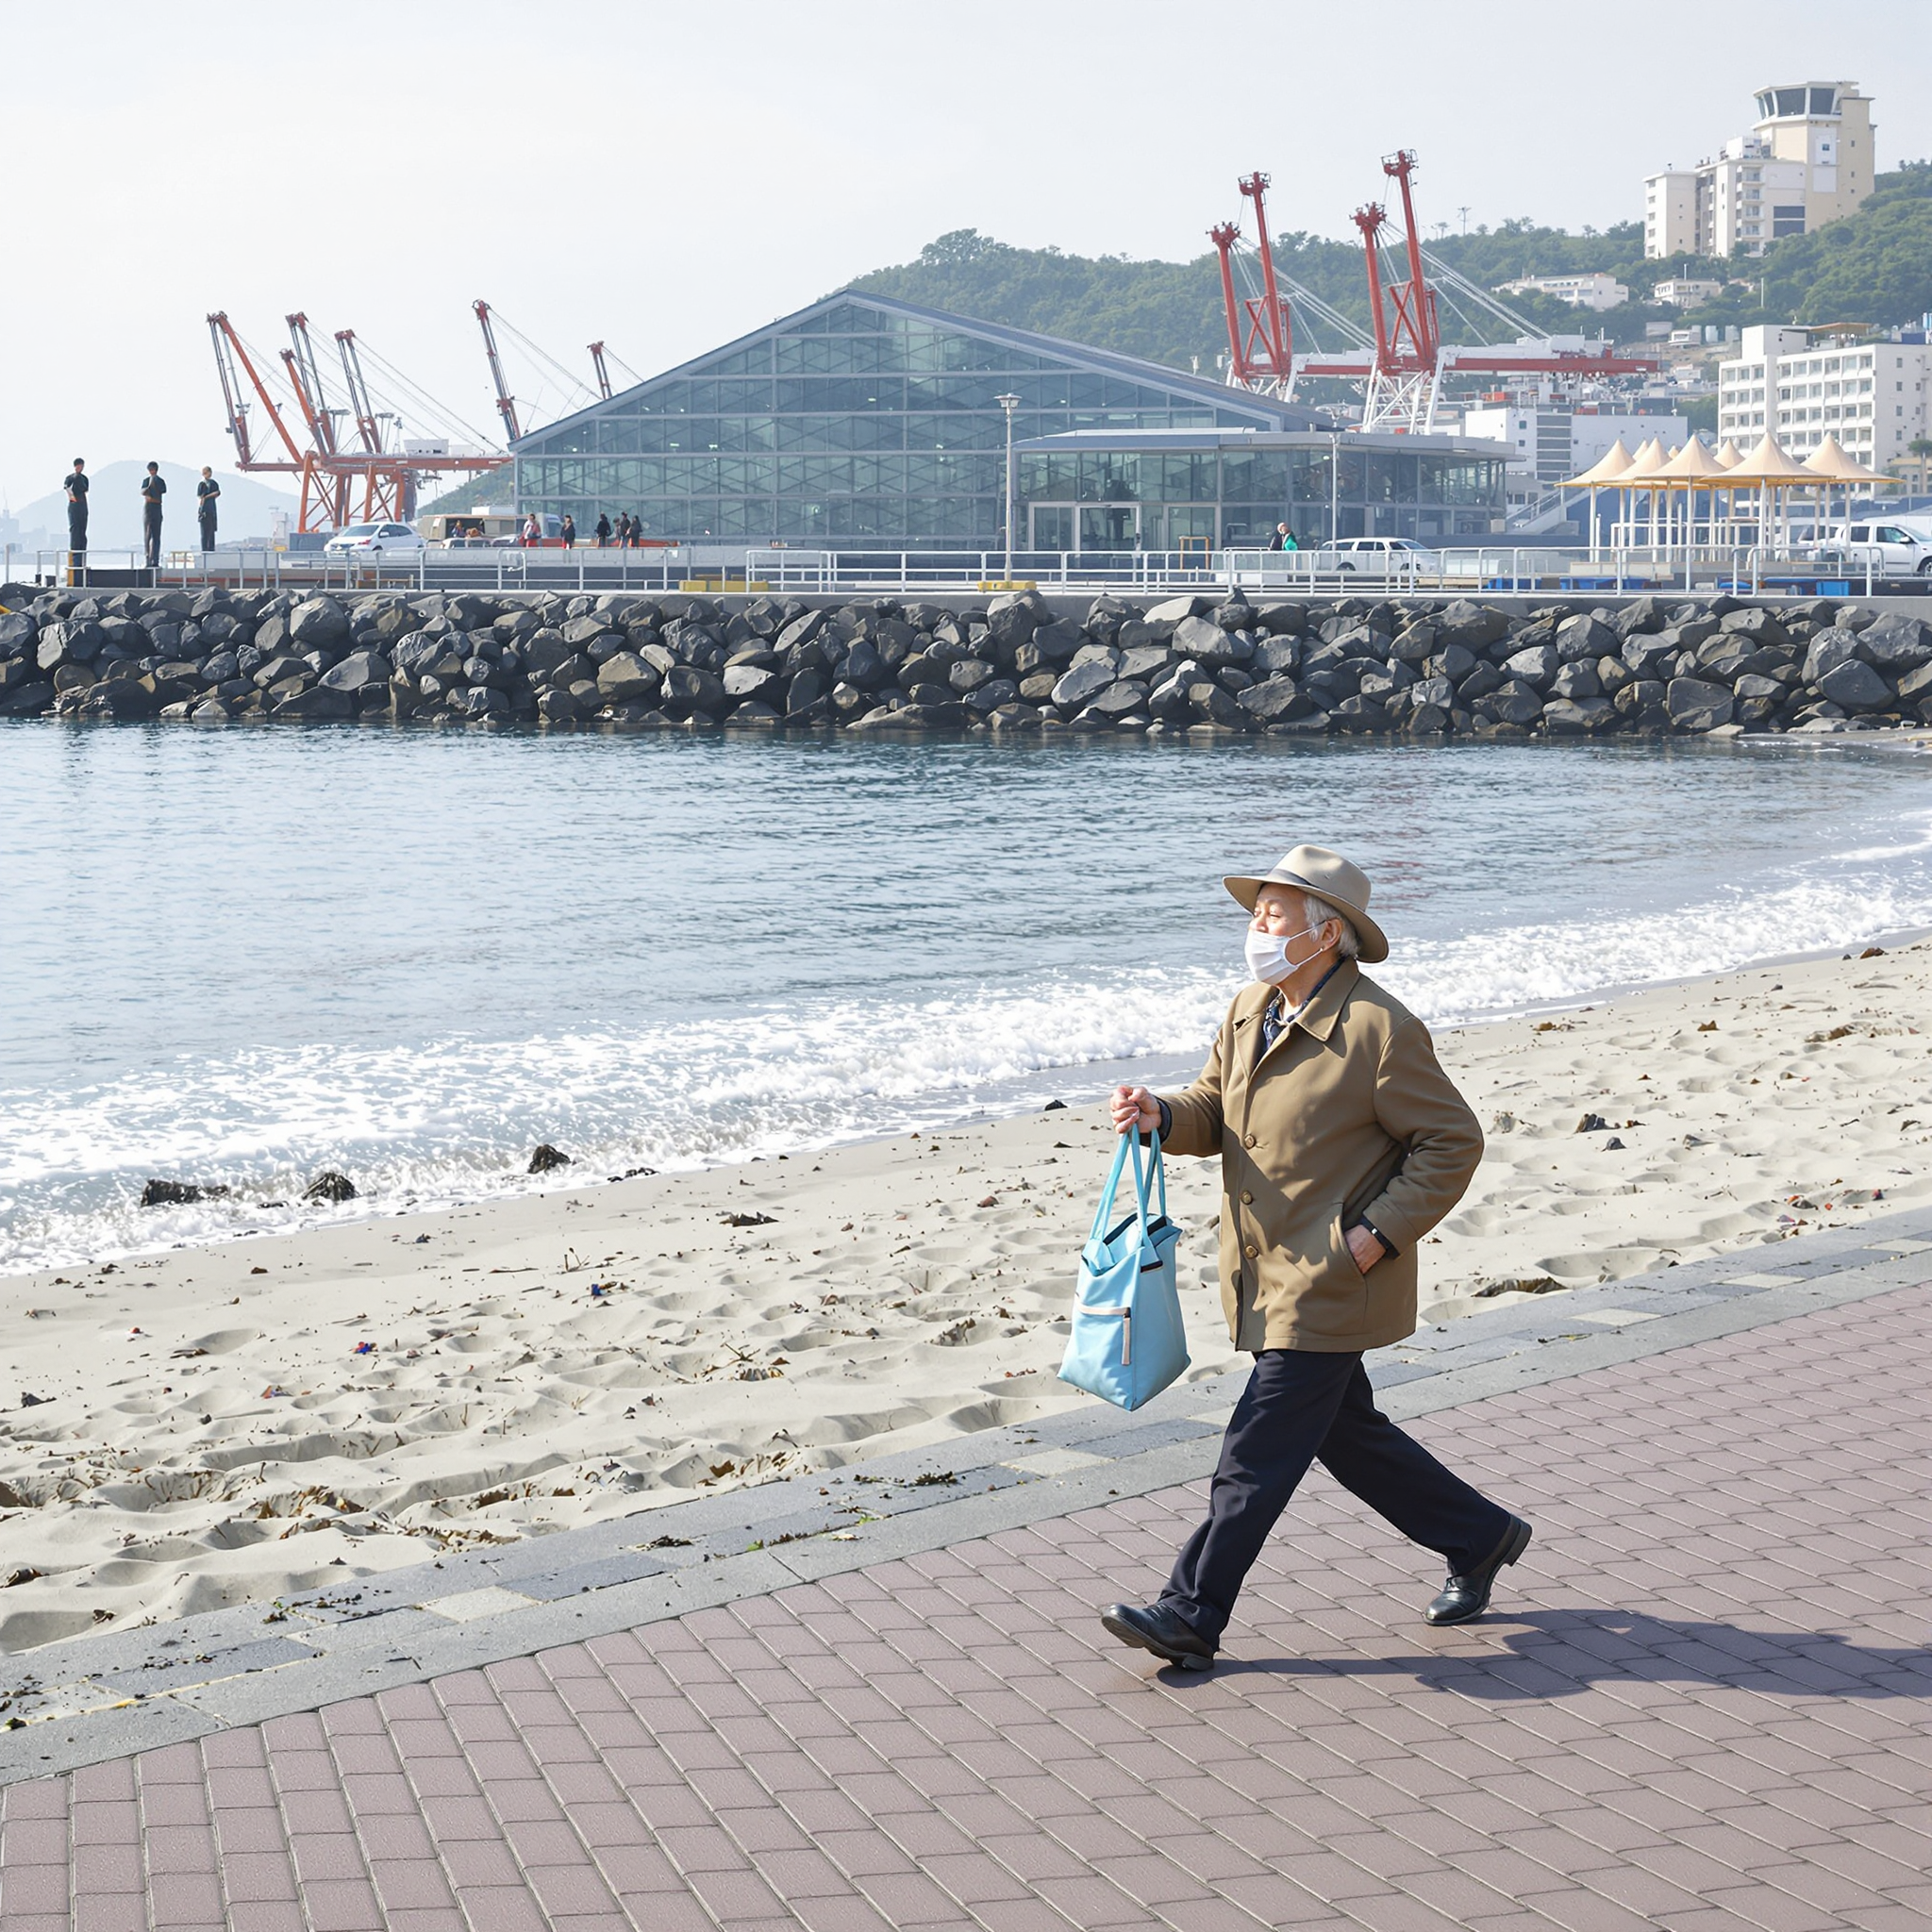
1464, 1597
1168, 1636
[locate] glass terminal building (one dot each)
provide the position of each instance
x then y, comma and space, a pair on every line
1179, 488
866, 423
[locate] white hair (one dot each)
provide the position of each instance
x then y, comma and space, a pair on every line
1318, 912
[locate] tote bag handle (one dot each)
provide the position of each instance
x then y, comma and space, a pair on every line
1103, 1215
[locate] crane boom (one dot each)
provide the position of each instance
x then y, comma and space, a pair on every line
602, 373
506, 402
307, 378
229, 354
359, 392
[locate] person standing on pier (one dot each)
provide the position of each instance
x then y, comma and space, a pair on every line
152, 490
76, 508
570, 532
206, 494
603, 530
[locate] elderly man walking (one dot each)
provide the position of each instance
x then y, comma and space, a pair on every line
1342, 1144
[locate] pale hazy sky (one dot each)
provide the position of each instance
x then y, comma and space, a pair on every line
667, 177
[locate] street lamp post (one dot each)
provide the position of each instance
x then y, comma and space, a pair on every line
1009, 404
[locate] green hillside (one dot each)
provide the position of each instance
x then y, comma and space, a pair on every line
1874, 267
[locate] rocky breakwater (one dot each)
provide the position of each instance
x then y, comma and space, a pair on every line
1202, 666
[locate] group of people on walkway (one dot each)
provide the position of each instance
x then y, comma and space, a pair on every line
628, 533
154, 489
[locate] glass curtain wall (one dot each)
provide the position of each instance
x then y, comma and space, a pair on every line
1157, 500
849, 425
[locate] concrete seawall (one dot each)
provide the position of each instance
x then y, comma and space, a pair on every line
1204, 665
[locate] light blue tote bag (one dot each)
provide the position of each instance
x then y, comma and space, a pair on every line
1127, 1342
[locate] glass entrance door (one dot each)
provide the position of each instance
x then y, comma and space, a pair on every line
1081, 526
1052, 526
1110, 526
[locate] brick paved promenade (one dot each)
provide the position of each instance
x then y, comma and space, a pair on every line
1701, 1703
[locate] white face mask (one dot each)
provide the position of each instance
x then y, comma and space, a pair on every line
1267, 957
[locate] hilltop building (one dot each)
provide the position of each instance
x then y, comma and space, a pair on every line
1803, 385
866, 423
1596, 290
1687, 291
1807, 161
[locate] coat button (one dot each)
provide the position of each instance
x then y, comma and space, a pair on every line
1252, 1251
1250, 1139
1247, 1199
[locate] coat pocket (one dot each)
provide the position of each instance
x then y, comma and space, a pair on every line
1334, 1299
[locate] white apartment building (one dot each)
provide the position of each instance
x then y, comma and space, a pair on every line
1870, 395
1687, 291
1549, 445
1808, 160
1595, 291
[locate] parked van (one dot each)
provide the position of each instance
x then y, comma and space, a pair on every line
1901, 548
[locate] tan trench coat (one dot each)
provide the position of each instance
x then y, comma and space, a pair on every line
1349, 1115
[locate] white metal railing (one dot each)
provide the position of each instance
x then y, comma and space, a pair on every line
1622, 571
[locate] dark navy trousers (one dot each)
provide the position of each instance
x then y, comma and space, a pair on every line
1301, 1407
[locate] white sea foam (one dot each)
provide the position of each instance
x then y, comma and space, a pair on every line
1761, 860
430, 1126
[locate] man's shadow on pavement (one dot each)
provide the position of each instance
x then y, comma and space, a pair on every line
1561, 1653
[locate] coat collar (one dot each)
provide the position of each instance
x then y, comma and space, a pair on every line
1319, 1016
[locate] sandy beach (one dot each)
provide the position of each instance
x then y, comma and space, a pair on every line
211, 1426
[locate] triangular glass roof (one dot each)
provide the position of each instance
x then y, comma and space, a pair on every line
858, 336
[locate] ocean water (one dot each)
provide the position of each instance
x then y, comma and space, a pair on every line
244, 956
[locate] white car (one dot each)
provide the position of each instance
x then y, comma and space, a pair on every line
1375, 556
375, 540
1893, 549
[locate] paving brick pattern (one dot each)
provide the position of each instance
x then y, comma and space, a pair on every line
1703, 1704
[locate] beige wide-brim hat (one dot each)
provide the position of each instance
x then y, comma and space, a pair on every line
1329, 875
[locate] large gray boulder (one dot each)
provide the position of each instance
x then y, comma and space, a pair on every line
1144, 660
1274, 700
1535, 666
1828, 650
1084, 682
1514, 702
19, 634
1856, 687
1472, 626
1203, 638
1585, 638
316, 704
692, 688
748, 680
357, 671
319, 623
627, 679
77, 641
1695, 705
1576, 717
1057, 641
1212, 705
1894, 642
1173, 611
1577, 680
1012, 619
1644, 651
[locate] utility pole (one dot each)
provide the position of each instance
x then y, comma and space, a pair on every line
1464, 214
1009, 404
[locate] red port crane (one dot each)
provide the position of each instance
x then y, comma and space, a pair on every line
506, 402
329, 476
1260, 339
1402, 371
